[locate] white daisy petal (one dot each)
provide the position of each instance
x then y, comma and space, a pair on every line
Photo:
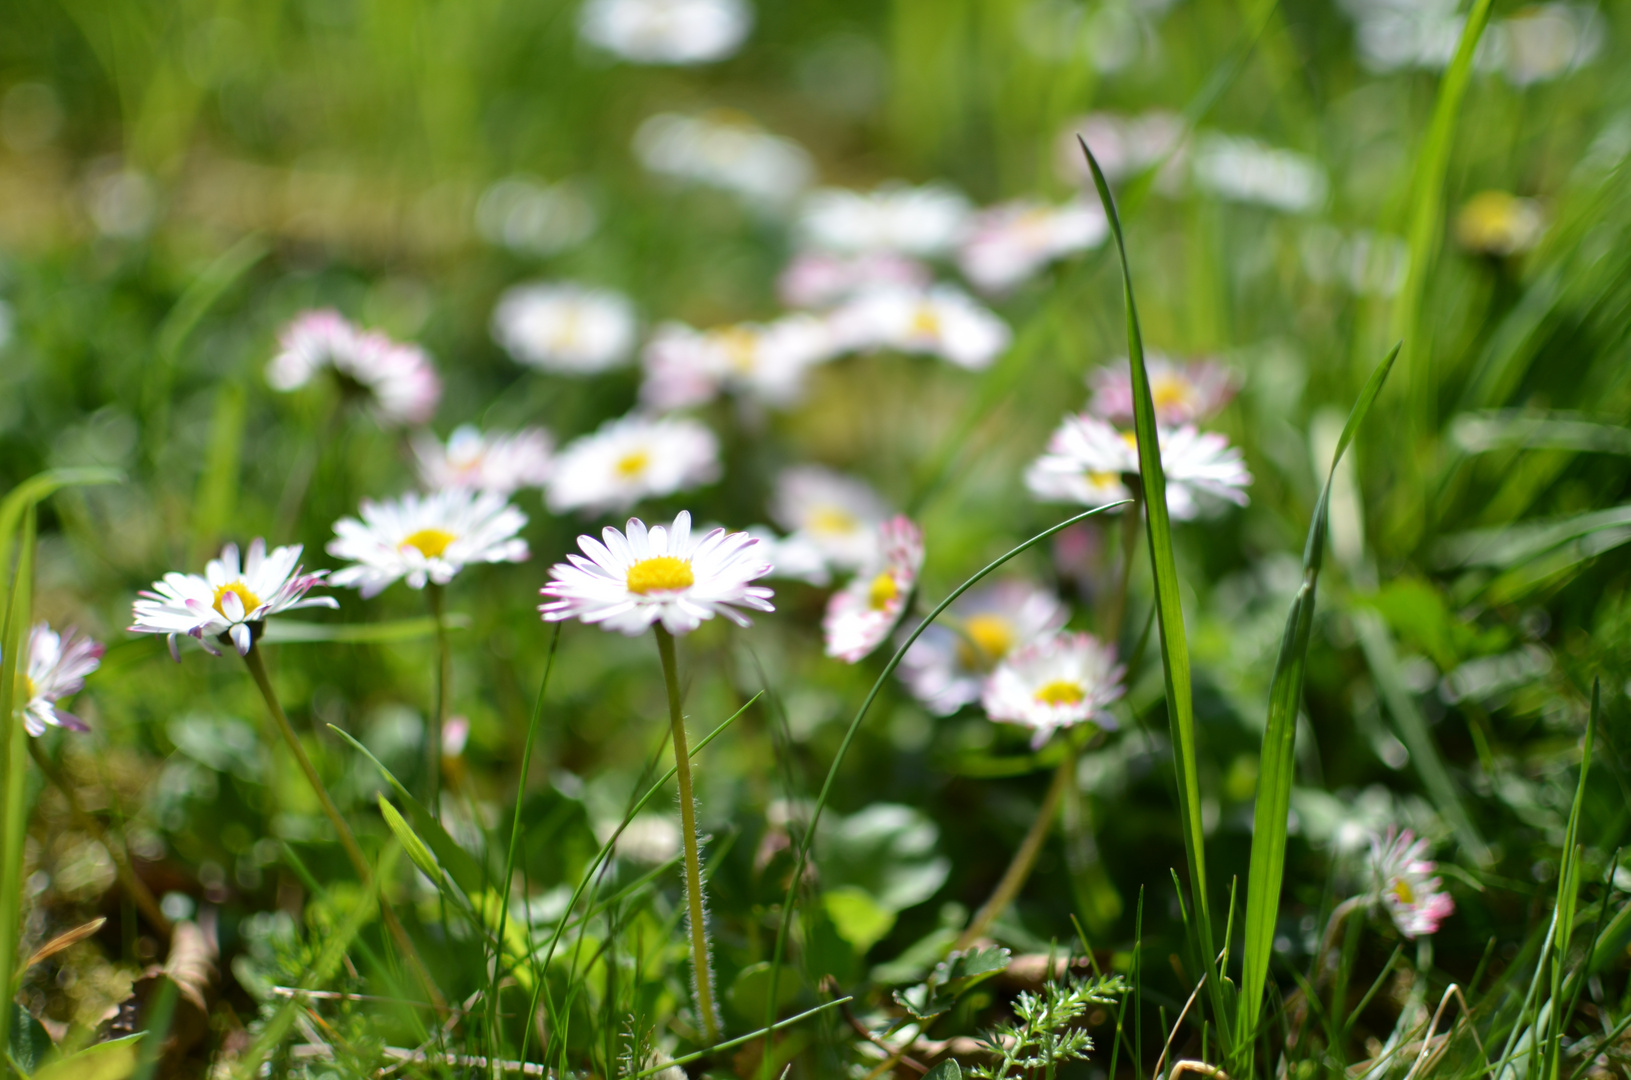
228, 599
426, 538
861, 614
398, 380
498, 462
1057, 682
631, 459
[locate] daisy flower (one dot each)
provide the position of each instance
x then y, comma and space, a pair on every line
630, 581
1124, 145
767, 362
630, 459
819, 279
918, 221
1182, 393
837, 515
396, 379
1498, 223
425, 538
1087, 460
793, 558
57, 666
499, 462
230, 600
1240, 169
725, 150
565, 328
666, 31
939, 321
946, 667
1009, 243
1402, 879
1064, 680
861, 614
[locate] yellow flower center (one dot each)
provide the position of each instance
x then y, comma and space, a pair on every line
1101, 479
1131, 439
1404, 892
250, 600
1169, 390
883, 591
741, 349
428, 542
28, 687
633, 464
832, 521
660, 573
989, 639
925, 322
1061, 692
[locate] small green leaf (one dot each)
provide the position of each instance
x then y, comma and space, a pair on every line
30, 1044
415, 847
112, 1060
946, 1070
858, 918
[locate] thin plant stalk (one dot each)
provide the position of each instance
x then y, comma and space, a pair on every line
1019, 870
695, 915
365, 873
444, 676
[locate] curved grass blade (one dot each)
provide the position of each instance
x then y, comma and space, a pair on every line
1169, 614
1277, 762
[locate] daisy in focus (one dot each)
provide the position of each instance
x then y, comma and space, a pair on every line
819, 279
939, 321
57, 666
766, 363
1183, 393
230, 600
425, 539
1402, 879
837, 515
861, 614
630, 581
1008, 244
1055, 683
1088, 462
947, 666
497, 462
666, 31
917, 221
565, 328
630, 459
397, 380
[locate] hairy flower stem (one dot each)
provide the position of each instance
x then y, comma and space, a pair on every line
1013, 879
444, 675
695, 916
134, 887
365, 873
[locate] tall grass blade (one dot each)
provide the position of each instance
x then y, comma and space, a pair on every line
1568, 894
1169, 612
13, 767
1277, 764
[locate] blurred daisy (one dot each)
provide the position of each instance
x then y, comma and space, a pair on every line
628, 582
1240, 169
861, 614
565, 328
725, 150
630, 459
947, 666
837, 515
1087, 459
1124, 145
940, 321
1402, 877
57, 666
1203, 472
817, 279
1544, 41
230, 599
793, 558
1182, 393
1498, 223
765, 362
498, 462
397, 380
425, 538
919, 221
1009, 243
666, 31
1064, 680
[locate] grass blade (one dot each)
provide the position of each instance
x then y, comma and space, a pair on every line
1277, 763
13, 765
1568, 895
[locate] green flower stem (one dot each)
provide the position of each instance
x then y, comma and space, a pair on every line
444, 676
1013, 879
365, 873
694, 914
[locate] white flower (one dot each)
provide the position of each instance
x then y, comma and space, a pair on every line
946, 667
1124, 145
766, 362
397, 379
229, 599
651, 838
425, 538
57, 666
1064, 680
1182, 393
526, 215
565, 328
920, 221
1203, 472
630, 459
817, 279
838, 515
794, 558
1240, 169
500, 462
861, 614
666, 31
941, 321
627, 583
1087, 458
1009, 243
725, 150
1402, 879
1499, 223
